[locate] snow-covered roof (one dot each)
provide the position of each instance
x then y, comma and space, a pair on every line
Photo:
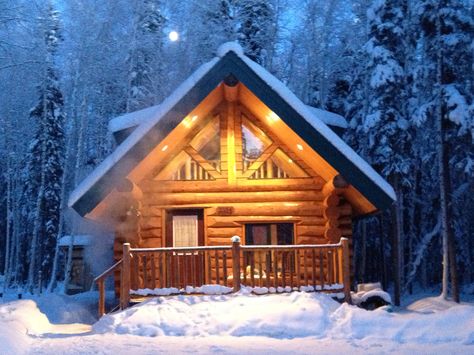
328, 117
231, 60
79, 240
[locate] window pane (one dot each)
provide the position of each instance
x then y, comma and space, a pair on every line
185, 231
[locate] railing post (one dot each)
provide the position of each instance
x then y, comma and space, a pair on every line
346, 272
125, 277
236, 262
101, 297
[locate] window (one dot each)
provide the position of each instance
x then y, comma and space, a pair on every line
269, 234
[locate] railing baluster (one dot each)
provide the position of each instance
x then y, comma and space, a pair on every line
135, 274
275, 269
330, 267
313, 267
296, 256
194, 268
216, 257
246, 262
305, 271
252, 268
260, 271
209, 269
145, 271
224, 256
153, 271
321, 268
283, 269
178, 271
291, 266
268, 267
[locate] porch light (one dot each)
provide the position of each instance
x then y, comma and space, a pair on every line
164, 148
194, 118
290, 161
272, 117
299, 146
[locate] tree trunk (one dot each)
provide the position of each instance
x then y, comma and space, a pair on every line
449, 253
382, 251
396, 242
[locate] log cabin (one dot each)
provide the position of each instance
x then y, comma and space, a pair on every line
232, 152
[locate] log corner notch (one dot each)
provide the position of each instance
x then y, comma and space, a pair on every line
331, 193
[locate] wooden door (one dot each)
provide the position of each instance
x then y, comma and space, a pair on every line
185, 228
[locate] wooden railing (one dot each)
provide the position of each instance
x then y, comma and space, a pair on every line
281, 267
100, 280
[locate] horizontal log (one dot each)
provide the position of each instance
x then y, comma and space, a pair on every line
233, 221
311, 230
151, 243
316, 239
231, 197
151, 233
242, 185
214, 241
230, 231
302, 208
151, 223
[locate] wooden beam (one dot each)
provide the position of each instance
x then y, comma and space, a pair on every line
203, 162
267, 153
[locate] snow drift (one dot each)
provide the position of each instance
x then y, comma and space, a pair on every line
292, 315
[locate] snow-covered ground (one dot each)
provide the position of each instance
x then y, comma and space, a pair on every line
298, 322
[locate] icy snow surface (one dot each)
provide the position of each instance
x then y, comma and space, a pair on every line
298, 322
155, 113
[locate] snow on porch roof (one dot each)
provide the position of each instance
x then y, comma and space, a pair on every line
191, 92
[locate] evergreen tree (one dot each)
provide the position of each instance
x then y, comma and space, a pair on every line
145, 65
45, 161
385, 123
256, 23
448, 34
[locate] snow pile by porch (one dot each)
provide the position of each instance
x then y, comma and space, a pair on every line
18, 320
287, 316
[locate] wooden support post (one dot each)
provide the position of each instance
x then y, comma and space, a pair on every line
125, 277
101, 297
346, 270
236, 263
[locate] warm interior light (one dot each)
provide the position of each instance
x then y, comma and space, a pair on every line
272, 117
299, 146
164, 148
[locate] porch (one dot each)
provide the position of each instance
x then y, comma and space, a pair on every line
279, 268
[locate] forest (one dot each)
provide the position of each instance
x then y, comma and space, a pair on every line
400, 71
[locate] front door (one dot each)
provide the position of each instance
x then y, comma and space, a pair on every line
185, 228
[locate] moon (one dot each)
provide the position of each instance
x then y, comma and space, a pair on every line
173, 36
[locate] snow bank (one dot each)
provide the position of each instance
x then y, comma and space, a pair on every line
455, 325
292, 315
18, 320
277, 316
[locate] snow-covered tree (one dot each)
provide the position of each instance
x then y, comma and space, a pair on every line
448, 33
45, 160
145, 64
257, 19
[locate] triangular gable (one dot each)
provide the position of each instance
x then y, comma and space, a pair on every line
192, 92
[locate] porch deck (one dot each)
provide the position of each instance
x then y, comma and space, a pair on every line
277, 268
